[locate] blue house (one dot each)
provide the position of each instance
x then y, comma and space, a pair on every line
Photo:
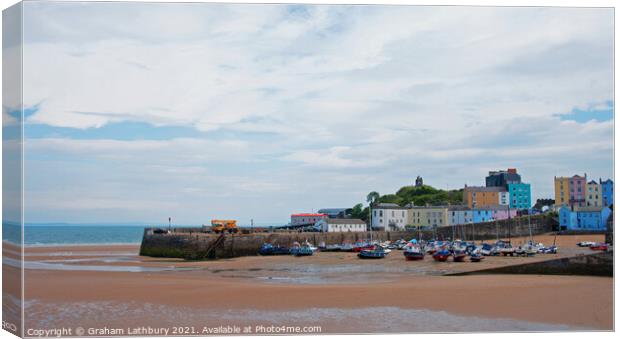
482, 215
584, 218
608, 191
520, 196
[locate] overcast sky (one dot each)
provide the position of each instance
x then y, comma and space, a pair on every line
140, 111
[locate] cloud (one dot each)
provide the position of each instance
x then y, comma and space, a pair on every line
245, 100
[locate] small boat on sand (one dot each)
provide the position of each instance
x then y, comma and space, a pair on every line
301, 250
459, 251
375, 253
586, 243
358, 247
269, 249
599, 247
331, 248
441, 255
346, 248
459, 256
486, 249
413, 253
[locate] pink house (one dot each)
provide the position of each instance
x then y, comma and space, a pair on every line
503, 212
577, 189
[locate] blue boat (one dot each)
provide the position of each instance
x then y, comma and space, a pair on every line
476, 257
269, 249
301, 251
376, 253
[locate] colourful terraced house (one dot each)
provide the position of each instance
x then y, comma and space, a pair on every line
584, 218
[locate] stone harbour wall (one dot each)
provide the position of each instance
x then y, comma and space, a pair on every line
193, 244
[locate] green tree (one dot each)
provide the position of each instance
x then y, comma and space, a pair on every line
372, 197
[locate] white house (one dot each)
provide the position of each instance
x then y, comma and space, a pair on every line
504, 198
389, 217
341, 225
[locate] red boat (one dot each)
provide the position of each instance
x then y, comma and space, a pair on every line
599, 247
459, 257
441, 255
363, 247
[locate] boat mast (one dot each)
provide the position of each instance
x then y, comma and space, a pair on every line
370, 218
529, 226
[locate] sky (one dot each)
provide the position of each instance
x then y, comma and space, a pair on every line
140, 111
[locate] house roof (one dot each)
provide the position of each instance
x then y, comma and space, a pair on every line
308, 215
333, 210
345, 221
389, 206
485, 189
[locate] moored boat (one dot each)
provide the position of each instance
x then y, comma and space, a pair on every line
346, 248
413, 253
599, 247
331, 248
375, 253
476, 257
358, 247
441, 255
269, 249
486, 249
301, 250
459, 256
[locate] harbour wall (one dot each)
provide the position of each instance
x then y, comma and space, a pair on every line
192, 244
597, 264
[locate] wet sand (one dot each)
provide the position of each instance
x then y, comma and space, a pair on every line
334, 290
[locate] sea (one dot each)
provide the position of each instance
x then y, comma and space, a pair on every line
64, 234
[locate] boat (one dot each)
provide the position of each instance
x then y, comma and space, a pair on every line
301, 250
476, 255
459, 255
459, 251
486, 249
331, 248
269, 249
312, 247
358, 247
375, 253
599, 247
586, 243
441, 255
413, 252
346, 248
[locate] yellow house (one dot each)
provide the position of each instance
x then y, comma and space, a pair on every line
562, 193
428, 216
594, 196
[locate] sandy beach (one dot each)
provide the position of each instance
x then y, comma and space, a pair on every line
97, 286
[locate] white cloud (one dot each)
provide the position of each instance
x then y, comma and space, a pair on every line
338, 96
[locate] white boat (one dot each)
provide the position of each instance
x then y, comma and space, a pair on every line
309, 245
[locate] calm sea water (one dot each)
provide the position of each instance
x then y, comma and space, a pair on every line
41, 235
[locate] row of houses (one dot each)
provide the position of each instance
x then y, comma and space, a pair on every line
583, 204
392, 217
503, 188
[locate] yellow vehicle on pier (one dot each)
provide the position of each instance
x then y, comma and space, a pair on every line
222, 226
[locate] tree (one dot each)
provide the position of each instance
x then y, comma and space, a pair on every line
357, 210
372, 197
